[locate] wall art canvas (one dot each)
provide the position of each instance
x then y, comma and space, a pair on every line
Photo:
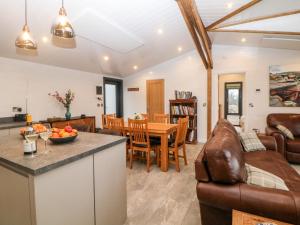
284, 87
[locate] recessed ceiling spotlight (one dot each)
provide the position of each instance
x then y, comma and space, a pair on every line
179, 49
160, 31
135, 67
151, 72
45, 39
243, 40
229, 5
106, 58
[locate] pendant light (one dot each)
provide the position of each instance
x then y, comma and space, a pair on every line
25, 40
62, 26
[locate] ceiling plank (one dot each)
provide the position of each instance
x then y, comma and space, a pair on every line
232, 14
258, 19
201, 31
193, 33
256, 32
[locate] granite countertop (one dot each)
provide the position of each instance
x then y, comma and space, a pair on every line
11, 152
10, 125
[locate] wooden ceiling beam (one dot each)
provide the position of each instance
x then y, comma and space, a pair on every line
232, 14
193, 32
257, 32
258, 19
201, 30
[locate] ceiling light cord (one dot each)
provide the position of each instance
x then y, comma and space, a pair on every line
25, 12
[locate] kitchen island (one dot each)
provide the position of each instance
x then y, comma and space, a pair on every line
79, 183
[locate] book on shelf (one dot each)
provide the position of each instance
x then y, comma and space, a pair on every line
183, 94
191, 135
182, 110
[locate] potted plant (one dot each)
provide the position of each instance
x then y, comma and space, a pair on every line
66, 101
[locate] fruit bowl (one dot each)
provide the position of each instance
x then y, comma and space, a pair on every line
61, 136
63, 140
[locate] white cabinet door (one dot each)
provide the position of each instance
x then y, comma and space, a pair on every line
110, 186
14, 198
65, 196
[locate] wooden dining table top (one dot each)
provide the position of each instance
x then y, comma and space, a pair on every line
158, 128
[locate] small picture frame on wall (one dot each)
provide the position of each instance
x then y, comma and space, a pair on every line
99, 90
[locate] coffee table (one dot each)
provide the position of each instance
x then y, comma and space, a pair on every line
241, 218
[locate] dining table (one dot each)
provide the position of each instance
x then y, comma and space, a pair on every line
162, 130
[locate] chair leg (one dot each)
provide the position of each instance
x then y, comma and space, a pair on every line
148, 161
176, 160
131, 159
184, 154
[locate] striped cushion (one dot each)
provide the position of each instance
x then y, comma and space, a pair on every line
263, 178
251, 142
286, 132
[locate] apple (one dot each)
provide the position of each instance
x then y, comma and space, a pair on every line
75, 131
68, 129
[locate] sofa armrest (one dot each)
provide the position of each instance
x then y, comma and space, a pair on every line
271, 203
280, 139
269, 142
267, 202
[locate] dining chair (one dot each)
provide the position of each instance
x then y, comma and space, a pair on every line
178, 143
161, 118
139, 140
145, 116
116, 125
104, 119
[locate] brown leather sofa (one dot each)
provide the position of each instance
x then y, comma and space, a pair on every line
290, 149
221, 175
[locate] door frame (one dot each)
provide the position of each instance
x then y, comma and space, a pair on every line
119, 94
226, 99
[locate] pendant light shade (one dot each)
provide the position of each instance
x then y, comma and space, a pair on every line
62, 26
25, 40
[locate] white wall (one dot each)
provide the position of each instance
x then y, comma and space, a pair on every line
20, 80
187, 73
182, 73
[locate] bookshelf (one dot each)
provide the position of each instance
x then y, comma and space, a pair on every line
185, 107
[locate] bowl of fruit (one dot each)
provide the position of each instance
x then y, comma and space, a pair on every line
61, 136
36, 128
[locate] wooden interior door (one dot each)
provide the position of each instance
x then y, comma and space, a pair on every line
155, 97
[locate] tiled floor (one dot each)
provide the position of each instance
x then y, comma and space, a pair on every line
158, 198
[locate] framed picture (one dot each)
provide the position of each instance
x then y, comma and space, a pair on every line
284, 88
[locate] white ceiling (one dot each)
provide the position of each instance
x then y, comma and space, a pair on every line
126, 31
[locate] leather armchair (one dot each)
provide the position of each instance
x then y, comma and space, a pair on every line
289, 149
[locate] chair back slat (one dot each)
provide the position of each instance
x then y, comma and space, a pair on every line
161, 118
181, 131
116, 124
104, 119
138, 130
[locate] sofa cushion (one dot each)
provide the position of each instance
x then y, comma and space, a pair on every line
251, 142
285, 131
274, 163
263, 178
293, 145
225, 161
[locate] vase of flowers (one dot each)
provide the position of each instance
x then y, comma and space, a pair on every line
66, 101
